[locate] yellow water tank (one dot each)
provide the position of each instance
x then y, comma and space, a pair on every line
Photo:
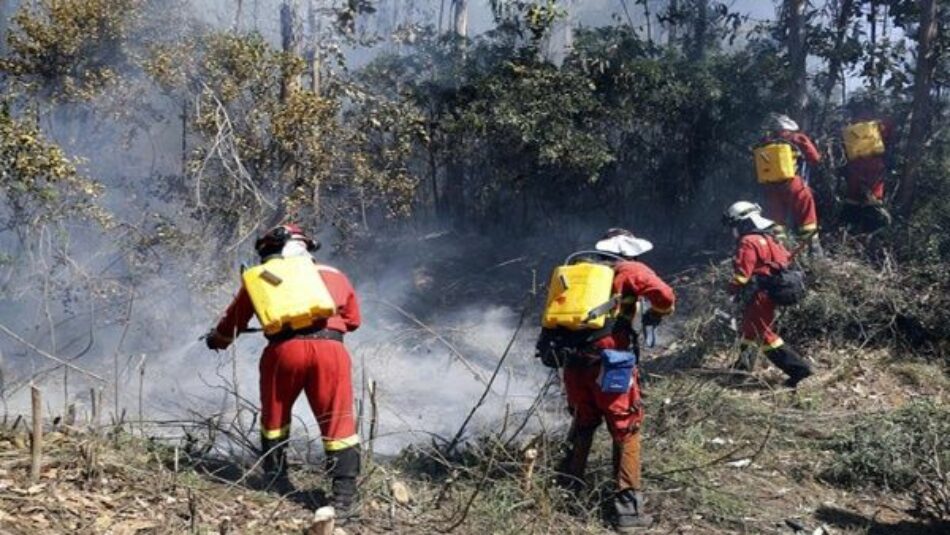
288, 293
862, 140
774, 163
576, 290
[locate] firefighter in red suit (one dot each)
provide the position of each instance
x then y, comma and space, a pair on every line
589, 405
793, 200
757, 254
312, 360
863, 208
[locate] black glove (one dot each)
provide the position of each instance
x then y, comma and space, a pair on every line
551, 353
651, 318
214, 340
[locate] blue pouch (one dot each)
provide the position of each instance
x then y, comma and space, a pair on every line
616, 370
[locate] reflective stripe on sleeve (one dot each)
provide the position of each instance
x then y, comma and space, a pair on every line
337, 444
741, 279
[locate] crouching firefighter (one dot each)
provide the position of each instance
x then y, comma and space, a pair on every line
763, 278
588, 330
304, 309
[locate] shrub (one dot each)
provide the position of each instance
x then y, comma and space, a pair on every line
907, 450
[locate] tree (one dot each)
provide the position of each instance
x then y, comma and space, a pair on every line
290, 43
920, 114
797, 54
844, 10
460, 17
700, 30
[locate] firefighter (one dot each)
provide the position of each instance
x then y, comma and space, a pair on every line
311, 359
758, 253
867, 139
792, 198
588, 403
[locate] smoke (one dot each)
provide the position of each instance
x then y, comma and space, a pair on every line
439, 312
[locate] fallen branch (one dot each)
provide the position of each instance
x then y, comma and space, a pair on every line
42, 353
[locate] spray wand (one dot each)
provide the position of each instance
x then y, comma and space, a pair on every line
649, 331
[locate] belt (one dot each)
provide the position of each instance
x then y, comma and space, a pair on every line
309, 333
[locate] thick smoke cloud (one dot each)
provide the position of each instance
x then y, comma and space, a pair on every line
423, 388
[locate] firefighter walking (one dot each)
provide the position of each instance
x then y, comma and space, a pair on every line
588, 330
304, 309
866, 139
782, 161
759, 256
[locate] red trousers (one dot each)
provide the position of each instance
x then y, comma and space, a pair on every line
757, 319
792, 200
321, 368
590, 406
865, 180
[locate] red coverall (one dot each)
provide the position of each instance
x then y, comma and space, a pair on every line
754, 254
623, 412
321, 368
794, 198
865, 176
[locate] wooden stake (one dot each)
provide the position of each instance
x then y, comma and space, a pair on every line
530, 459
373, 414
94, 407
36, 447
141, 387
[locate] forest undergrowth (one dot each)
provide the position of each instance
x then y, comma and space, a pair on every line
862, 447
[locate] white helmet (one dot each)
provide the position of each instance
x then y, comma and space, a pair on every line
746, 211
778, 121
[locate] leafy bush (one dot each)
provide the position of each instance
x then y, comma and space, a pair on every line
907, 450
38, 182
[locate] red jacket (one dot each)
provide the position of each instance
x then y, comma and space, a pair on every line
347, 318
755, 254
633, 280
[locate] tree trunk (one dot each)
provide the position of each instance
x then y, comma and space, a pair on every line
290, 43
795, 42
673, 24
700, 28
237, 16
843, 17
561, 39
3, 26
920, 113
314, 64
460, 17
648, 15
872, 76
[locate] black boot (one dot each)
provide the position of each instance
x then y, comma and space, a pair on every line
344, 467
629, 508
274, 463
789, 361
570, 472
